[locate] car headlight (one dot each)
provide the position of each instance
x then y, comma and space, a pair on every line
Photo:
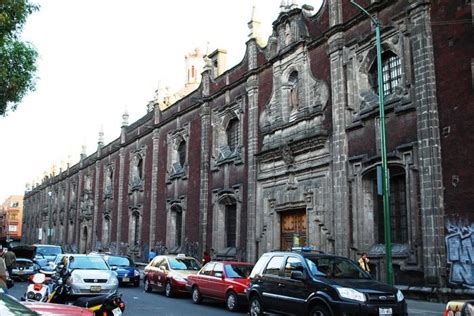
136, 273
179, 278
113, 280
351, 294
74, 279
400, 296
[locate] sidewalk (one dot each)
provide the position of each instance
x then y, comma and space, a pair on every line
424, 308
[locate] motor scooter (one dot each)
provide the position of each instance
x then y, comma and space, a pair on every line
102, 305
38, 289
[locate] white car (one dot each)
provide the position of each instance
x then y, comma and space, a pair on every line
90, 275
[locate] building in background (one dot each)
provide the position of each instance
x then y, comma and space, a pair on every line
11, 217
283, 148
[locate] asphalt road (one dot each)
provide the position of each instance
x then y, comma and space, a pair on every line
141, 303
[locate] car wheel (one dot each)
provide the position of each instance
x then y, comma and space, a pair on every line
231, 301
196, 295
255, 306
168, 289
319, 311
147, 286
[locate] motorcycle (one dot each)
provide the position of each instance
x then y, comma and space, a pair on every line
102, 305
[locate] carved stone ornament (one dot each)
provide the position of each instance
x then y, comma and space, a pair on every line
287, 154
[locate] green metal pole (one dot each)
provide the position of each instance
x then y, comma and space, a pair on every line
383, 150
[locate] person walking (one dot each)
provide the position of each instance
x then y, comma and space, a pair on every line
364, 262
3, 273
206, 258
10, 260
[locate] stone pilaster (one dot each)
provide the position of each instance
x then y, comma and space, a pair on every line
120, 194
252, 94
204, 187
339, 146
335, 12
154, 186
429, 145
97, 189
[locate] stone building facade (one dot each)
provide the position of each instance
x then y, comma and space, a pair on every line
283, 149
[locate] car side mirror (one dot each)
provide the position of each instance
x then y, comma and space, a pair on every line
113, 268
297, 275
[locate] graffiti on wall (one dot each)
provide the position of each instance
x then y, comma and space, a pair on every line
460, 253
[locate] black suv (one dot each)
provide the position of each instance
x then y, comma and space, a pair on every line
314, 283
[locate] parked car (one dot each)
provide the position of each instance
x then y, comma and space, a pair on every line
127, 272
11, 306
47, 253
91, 275
169, 273
311, 283
224, 281
26, 266
23, 269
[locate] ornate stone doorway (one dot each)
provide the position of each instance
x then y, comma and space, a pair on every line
293, 229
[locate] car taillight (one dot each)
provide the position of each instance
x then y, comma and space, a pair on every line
38, 287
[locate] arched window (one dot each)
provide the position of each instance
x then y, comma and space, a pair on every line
391, 73
140, 168
233, 134
231, 225
293, 97
182, 153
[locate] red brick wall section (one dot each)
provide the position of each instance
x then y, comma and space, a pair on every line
453, 51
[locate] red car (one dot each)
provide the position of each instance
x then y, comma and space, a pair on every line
170, 274
221, 280
11, 306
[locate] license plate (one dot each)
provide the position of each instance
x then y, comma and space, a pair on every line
117, 311
96, 288
385, 311
126, 280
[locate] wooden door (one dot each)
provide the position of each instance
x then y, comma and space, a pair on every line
293, 229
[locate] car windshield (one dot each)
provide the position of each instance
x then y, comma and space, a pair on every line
184, 264
48, 251
237, 271
335, 267
89, 263
119, 262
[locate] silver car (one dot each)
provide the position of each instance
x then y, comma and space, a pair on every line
91, 275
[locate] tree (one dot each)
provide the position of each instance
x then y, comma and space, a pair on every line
17, 58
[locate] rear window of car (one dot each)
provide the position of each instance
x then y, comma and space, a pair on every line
184, 264
87, 263
237, 271
48, 250
260, 265
119, 262
274, 265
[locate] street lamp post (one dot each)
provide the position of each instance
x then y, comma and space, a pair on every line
383, 149
50, 220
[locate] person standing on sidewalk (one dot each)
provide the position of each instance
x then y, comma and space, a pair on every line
10, 260
364, 262
3, 273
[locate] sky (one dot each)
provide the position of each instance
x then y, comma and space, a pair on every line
100, 58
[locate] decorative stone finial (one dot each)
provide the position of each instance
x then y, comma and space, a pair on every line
125, 117
101, 136
254, 24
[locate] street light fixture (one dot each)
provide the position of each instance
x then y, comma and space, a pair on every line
383, 149
50, 220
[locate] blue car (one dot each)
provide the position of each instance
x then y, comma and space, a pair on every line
127, 272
